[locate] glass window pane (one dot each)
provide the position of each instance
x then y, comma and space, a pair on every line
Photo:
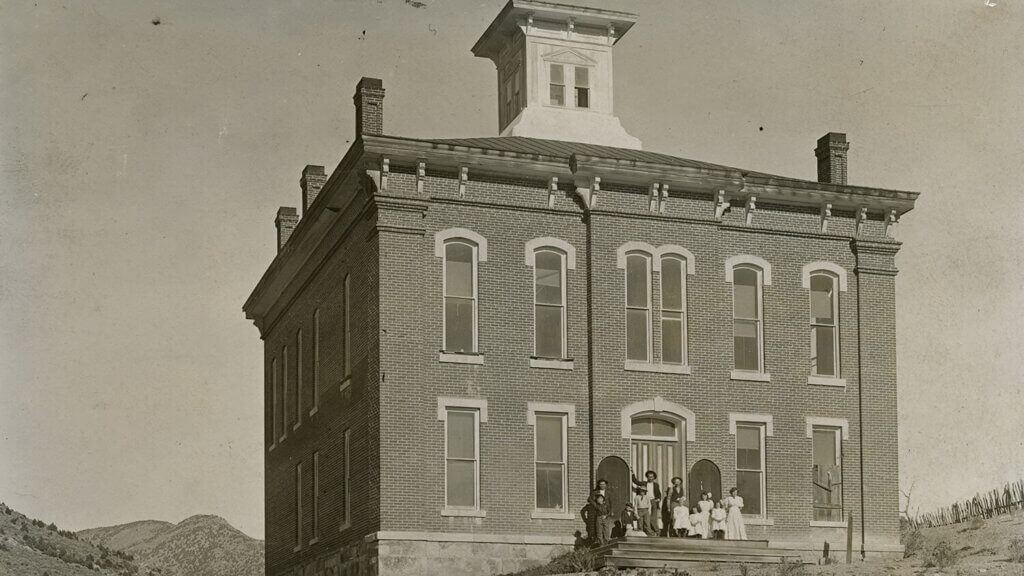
671, 340
662, 428
822, 309
583, 98
458, 318
582, 77
748, 448
671, 284
746, 352
824, 350
749, 486
462, 483
549, 332
557, 76
636, 280
744, 293
549, 486
636, 335
549, 438
642, 427
461, 434
557, 95
458, 269
549, 277
824, 448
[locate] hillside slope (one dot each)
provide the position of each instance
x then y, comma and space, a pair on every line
32, 547
197, 546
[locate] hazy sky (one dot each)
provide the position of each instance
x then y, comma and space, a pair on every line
141, 166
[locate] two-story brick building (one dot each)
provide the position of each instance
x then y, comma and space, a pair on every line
457, 332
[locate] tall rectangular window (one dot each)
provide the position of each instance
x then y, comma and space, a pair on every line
315, 531
517, 99
298, 378
347, 296
508, 99
298, 505
316, 361
750, 460
276, 403
549, 304
673, 310
824, 324
549, 454
462, 458
460, 296
557, 85
347, 479
827, 473
582, 87
747, 315
284, 392
638, 307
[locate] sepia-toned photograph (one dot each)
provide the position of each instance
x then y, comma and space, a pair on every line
512, 288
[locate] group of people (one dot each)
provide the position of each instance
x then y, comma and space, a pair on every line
651, 513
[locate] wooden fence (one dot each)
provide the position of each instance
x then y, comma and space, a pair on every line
987, 505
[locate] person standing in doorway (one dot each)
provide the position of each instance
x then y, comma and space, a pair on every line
649, 501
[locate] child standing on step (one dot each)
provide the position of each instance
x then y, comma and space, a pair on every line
697, 529
680, 519
718, 521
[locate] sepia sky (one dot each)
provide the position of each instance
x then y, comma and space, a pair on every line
141, 166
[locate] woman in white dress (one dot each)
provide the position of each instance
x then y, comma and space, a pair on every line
734, 529
704, 507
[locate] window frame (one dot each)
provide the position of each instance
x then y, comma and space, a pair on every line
316, 363
298, 379
759, 321
564, 418
563, 271
683, 316
552, 84
284, 393
347, 323
475, 247
476, 457
839, 430
762, 431
649, 344
346, 520
298, 506
836, 363
315, 515
276, 402
576, 87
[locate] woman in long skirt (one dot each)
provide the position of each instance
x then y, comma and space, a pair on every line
734, 529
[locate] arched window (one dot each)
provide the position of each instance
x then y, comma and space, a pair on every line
549, 303
673, 309
460, 295
638, 306
748, 314
824, 324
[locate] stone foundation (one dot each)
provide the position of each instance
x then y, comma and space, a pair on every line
414, 554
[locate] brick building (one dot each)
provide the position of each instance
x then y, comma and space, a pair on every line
457, 332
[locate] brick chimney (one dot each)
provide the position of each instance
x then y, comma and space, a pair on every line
312, 181
286, 221
369, 100
831, 153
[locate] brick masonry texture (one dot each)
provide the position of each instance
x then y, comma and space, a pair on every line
385, 240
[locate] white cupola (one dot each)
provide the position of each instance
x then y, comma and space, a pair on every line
554, 65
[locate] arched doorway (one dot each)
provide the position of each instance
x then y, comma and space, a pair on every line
657, 443
705, 477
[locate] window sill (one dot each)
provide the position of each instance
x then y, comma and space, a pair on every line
552, 515
456, 358
345, 384
826, 524
296, 426
345, 526
750, 376
634, 366
463, 512
827, 381
757, 521
313, 411
314, 541
297, 548
552, 363
282, 439
272, 446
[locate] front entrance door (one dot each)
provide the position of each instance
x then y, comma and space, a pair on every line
705, 477
655, 445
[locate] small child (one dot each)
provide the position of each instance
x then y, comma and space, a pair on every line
680, 519
718, 521
629, 518
697, 524
602, 522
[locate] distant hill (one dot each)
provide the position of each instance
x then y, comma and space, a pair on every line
33, 547
197, 546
